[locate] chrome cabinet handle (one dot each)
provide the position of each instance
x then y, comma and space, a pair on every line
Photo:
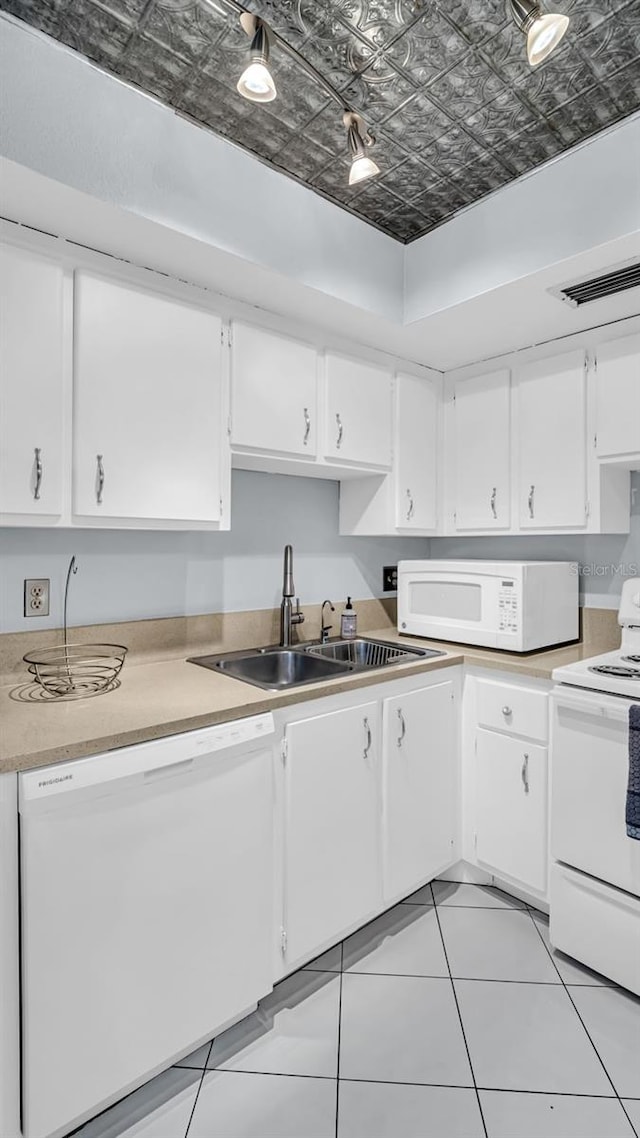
307, 426
340, 429
411, 506
530, 500
525, 774
403, 727
100, 484
506, 710
36, 489
494, 494
368, 743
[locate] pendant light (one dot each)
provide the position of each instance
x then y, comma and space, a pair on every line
256, 82
543, 30
358, 138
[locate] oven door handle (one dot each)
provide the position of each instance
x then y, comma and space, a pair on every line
593, 707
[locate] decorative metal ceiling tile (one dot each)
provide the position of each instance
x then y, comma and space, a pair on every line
444, 84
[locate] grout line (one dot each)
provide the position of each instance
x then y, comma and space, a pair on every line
587, 1033
468, 979
195, 1101
455, 996
339, 1036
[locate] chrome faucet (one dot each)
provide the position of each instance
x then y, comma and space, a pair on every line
325, 629
288, 617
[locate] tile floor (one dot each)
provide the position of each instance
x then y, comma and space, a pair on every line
448, 1017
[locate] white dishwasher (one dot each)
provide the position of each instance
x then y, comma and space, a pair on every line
146, 911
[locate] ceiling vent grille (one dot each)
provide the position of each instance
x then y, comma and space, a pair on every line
608, 284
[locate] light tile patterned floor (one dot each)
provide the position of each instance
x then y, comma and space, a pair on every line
446, 1020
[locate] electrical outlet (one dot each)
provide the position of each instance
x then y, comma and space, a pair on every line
36, 596
389, 578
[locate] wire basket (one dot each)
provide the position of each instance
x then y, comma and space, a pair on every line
76, 670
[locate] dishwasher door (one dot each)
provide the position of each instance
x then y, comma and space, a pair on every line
147, 914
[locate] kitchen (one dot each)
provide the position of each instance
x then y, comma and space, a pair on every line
213, 348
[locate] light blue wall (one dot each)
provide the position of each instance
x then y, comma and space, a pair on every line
132, 575
604, 560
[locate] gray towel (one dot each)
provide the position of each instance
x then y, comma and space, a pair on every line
633, 789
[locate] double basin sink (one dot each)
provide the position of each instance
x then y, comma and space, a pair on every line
276, 669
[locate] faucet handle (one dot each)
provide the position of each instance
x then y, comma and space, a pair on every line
297, 617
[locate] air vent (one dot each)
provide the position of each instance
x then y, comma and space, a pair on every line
620, 279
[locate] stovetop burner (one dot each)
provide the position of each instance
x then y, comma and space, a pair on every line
631, 659
617, 670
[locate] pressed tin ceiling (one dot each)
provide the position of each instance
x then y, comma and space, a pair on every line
446, 88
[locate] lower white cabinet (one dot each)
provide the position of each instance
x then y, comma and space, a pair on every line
331, 828
511, 808
420, 775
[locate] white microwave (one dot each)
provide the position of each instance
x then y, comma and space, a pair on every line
515, 605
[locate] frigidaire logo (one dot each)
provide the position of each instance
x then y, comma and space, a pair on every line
51, 781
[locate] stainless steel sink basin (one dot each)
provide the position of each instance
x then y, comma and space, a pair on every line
275, 668
363, 653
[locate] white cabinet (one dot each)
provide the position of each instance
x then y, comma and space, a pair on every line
406, 500
511, 808
274, 392
147, 407
618, 401
358, 427
551, 443
416, 453
420, 778
331, 828
31, 389
481, 444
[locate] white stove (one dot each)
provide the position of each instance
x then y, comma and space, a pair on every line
617, 673
595, 874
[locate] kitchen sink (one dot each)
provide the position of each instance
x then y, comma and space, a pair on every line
363, 653
275, 668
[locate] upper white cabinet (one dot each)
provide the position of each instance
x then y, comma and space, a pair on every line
420, 780
406, 500
618, 401
358, 426
417, 405
274, 392
31, 389
551, 443
482, 445
147, 407
331, 828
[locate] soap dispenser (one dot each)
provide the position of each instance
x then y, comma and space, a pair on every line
348, 621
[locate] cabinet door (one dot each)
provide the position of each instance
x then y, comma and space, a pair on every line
420, 773
482, 449
511, 819
417, 407
147, 418
618, 398
332, 856
359, 413
551, 443
273, 392
31, 385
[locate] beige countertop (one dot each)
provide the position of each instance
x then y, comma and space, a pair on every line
168, 696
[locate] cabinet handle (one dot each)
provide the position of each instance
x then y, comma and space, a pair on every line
403, 727
339, 438
494, 494
530, 500
506, 711
411, 507
368, 743
100, 484
307, 426
525, 774
36, 489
